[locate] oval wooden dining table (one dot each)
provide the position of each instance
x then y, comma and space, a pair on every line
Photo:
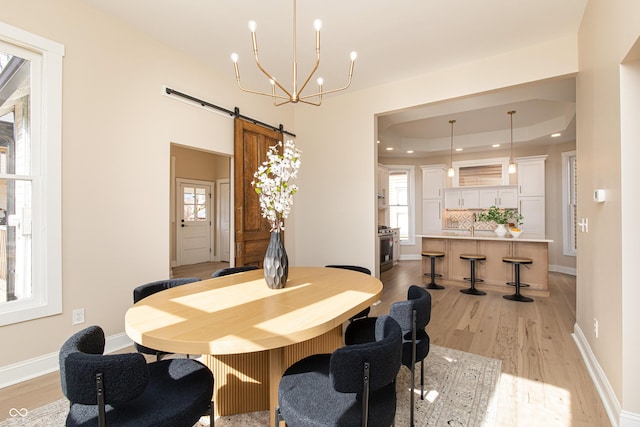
248, 333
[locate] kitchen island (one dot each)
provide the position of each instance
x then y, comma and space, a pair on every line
494, 273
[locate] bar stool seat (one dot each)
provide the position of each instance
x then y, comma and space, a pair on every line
433, 255
472, 258
516, 262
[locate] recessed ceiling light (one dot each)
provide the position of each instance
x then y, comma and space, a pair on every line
409, 151
495, 145
458, 149
555, 135
389, 148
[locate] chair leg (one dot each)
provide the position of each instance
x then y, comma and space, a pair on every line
422, 379
212, 415
412, 400
278, 417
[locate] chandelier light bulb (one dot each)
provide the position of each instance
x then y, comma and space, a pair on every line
317, 24
235, 57
320, 81
272, 82
253, 26
354, 56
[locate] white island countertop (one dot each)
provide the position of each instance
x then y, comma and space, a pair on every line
483, 235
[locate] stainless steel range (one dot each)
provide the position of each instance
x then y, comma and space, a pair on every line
385, 235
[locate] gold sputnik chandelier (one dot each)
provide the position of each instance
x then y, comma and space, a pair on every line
279, 93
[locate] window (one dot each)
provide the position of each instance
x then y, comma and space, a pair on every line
30, 178
401, 205
569, 202
474, 173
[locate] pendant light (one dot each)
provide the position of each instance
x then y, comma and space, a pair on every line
451, 172
512, 164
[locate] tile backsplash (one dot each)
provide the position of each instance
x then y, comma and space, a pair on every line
463, 220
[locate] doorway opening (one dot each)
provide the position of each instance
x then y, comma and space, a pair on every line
200, 206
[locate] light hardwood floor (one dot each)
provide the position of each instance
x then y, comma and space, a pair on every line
544, 381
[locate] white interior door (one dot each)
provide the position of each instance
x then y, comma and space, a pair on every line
224, 219
194, 229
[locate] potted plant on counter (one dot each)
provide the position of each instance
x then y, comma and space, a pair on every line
516, 228
500, 216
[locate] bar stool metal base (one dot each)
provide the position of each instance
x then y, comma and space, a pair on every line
472, 291
518, 297
432, 275
472, 258
516, 262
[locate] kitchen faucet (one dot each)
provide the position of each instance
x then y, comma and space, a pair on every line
473, 223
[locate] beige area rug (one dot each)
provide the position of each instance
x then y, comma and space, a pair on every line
460, 391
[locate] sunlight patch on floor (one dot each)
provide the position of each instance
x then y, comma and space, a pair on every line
542, 403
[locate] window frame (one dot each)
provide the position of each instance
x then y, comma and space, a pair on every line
410, 170
502, 161
46, 176
569, 198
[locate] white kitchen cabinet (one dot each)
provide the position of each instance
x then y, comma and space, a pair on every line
532, 210
433, 182
431, 215
502, 197
531, 194
383, 187
461, 199
531, 176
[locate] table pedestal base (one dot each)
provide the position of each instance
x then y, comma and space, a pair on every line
248, 382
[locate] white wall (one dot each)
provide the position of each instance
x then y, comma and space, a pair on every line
117, 131
607, 263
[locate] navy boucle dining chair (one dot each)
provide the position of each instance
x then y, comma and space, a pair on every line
366, 311
143, 291
233, 270
413, 315
353, 386
123, 390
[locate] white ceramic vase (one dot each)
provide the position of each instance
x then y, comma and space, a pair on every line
501, 230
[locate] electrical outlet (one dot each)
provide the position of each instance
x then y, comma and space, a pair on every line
595, 327
77, 316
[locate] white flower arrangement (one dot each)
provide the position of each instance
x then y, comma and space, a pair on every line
271, 183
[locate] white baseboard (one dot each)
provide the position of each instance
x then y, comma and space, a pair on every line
609, 399
562, 269
629, 419
410, 257
32, 368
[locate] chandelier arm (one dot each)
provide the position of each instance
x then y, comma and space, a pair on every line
326, 92
316, 65
270, 77
277, 104
258, 92
317, 104
310, 75
321, 92
254, 43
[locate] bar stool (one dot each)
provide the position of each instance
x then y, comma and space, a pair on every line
516, 261
472, 258
433, 255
